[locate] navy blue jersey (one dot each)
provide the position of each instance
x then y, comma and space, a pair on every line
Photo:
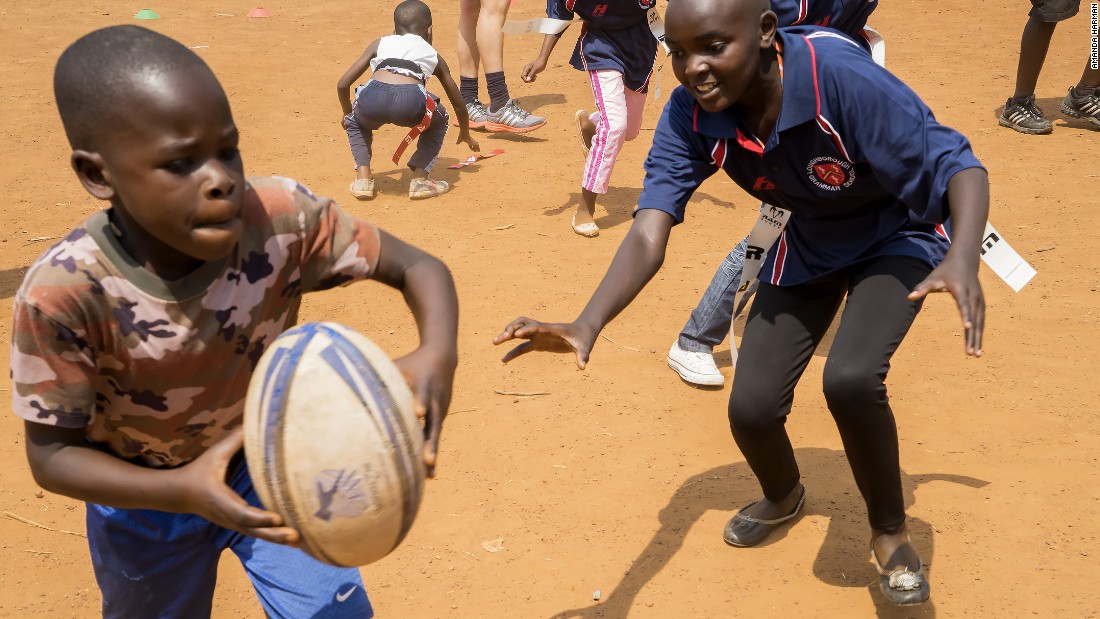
847, 16
614, 35
856, 156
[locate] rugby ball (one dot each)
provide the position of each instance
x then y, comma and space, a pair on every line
333, 443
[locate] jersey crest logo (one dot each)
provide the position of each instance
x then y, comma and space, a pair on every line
830, 174
647, 4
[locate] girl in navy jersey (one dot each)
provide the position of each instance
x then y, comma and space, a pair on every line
616, 48
887, 206
692, 354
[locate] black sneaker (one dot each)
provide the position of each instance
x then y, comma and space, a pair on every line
1086, 107
1025, 117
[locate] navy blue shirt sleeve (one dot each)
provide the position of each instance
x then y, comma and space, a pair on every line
677, 162
555, 9
883, 122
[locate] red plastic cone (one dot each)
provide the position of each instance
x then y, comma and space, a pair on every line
259, 12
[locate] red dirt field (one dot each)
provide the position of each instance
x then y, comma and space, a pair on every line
621, 477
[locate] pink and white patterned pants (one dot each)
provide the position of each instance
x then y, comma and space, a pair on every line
618, 119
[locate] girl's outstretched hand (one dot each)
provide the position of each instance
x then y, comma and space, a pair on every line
562, 337
961, 281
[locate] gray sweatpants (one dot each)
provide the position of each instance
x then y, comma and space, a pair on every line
379, 103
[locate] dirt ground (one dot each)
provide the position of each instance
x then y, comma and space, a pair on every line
620, 478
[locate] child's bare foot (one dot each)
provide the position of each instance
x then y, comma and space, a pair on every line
586, 128
584, 224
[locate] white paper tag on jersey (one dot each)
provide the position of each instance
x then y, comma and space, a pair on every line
764, 232
763, 235
998, 255
543, 25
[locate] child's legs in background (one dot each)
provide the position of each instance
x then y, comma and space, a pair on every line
616, 115
1090, 78
1034, 44
709, 322
618, 118
469, 58
403, 105
290, 583
360, 136
430, 142
152, 564
360, 142
490, 44
1035, 41
635, 104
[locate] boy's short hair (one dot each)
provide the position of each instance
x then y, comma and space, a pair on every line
412, 17
101, 67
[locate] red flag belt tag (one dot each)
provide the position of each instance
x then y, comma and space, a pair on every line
475, 158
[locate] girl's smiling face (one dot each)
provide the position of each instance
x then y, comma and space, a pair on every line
716, 46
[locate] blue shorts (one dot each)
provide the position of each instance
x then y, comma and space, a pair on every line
158, 564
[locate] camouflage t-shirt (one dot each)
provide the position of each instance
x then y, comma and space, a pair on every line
157, 370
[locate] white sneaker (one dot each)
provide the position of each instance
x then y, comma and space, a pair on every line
697, 368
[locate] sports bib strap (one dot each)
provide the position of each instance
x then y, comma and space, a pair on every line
764, 232
878, 45
543, 25
546, 25
657, 27
763, 235
429, 109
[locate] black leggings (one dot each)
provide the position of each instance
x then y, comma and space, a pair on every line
785, 325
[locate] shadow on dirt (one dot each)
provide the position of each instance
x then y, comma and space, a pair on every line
10, 280
619, 202
842, 560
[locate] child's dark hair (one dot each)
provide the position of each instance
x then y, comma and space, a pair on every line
101, 67
412, 17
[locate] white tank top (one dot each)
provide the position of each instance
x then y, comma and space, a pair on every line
406, 47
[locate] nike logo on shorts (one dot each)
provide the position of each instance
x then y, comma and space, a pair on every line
340, 597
